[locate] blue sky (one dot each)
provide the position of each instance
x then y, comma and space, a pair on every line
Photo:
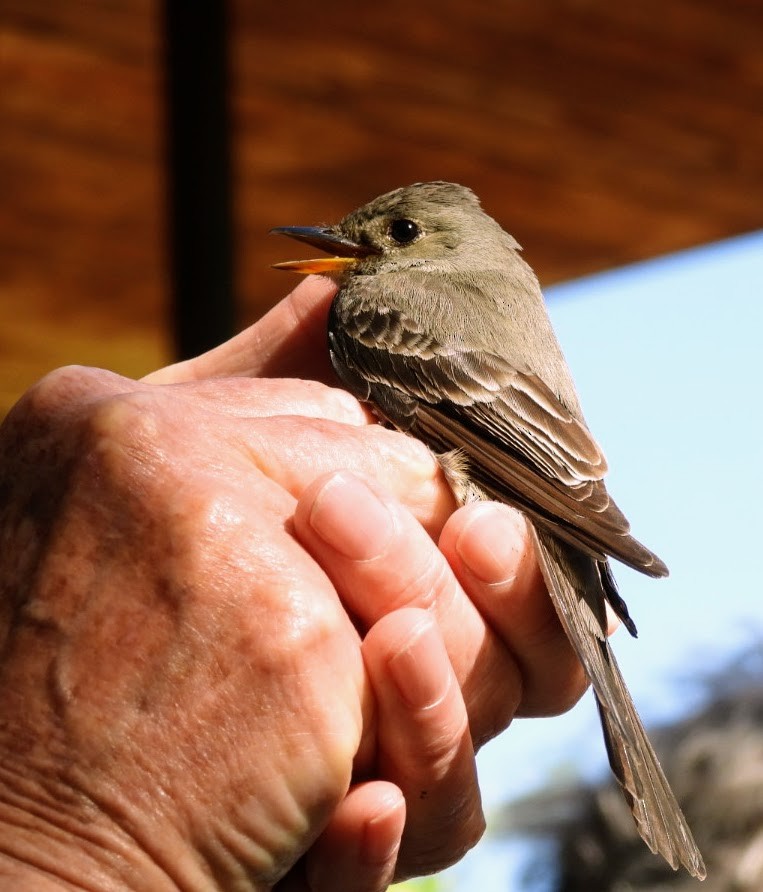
667, 358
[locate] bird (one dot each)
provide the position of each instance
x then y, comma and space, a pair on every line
441, 326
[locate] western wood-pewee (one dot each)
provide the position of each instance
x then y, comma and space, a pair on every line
442, 327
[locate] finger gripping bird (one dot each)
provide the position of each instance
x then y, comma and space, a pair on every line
442, 327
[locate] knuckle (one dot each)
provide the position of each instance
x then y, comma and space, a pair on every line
128, 416
495, 698
39, 410
332, 403
304, 624
124, 449
556, 689
468, 823
60, 431
448, 837
440, 751
421, 582
567, 695
58, 391
122, 431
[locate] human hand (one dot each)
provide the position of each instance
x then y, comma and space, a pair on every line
88, 442
175, 667
511, 655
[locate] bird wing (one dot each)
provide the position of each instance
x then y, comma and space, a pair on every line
520, 443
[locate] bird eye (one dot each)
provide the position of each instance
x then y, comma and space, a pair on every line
403, 231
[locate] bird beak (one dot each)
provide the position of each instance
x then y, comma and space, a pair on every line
346, 252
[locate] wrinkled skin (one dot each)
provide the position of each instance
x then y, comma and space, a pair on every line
233, 655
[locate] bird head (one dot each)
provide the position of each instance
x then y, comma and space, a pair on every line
426, 224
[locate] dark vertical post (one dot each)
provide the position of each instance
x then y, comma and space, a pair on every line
199, 173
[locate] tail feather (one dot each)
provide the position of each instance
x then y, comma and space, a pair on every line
575, 585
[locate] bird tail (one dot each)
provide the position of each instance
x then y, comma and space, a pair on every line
574, 581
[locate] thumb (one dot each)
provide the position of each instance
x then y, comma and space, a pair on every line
289, 341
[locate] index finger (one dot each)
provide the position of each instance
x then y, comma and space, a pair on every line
289, 341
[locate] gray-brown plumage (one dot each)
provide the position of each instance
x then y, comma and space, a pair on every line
442, 327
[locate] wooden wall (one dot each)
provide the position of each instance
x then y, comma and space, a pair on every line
597, 132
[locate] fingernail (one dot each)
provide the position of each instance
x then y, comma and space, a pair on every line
351, 518
420, 668
490, 545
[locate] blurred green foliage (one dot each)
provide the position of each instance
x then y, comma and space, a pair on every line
434, 883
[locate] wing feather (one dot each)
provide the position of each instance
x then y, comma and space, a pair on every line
522, 444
